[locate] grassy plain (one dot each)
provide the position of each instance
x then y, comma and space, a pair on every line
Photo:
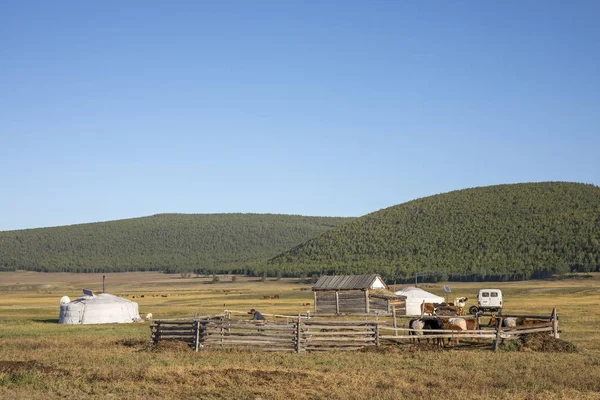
41, 359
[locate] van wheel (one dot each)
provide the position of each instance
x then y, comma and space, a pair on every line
473, 310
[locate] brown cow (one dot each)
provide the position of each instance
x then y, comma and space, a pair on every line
428, 308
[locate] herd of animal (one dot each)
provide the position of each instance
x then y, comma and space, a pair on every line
428, 325
455, 308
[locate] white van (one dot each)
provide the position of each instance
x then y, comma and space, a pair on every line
488, 300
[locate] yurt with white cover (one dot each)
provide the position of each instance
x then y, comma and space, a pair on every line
415, 297
103, 308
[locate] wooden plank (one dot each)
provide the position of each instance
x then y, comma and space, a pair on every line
343, 333
446, 336
172, 328
312, 346
555, 332
189, 340
340, 323
259, 334
335, 349
298, 329
253, 327
197, 338
174, 337
389, 328
527, 331
246, 342
519, 316
335, 328
250, 323
212, 346
337, 339
257, 338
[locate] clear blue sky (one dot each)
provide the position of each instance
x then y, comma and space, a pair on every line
118, 109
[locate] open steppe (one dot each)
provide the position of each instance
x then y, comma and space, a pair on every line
41, 359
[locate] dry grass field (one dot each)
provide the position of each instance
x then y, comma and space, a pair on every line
41, 359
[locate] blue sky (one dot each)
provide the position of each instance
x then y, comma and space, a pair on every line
116, 109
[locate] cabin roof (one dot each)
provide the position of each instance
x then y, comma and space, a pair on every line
385, 294
346, 282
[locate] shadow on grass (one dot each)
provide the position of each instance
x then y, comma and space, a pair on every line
47, 321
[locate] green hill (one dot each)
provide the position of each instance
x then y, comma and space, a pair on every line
500, 232
167, 242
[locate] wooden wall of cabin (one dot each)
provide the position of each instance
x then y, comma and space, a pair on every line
325, 302
400, 305
378, 304
352, 301
348, 301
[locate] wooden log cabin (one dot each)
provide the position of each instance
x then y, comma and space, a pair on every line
355, 294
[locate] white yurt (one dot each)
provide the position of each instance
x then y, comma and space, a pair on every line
98, 309
415, 297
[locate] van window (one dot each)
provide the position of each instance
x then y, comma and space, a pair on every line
485, 294
494, 294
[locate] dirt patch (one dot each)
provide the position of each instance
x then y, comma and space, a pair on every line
138, 344
169, 346
134, 343
545, 343
11, 367
263, 375
405, 348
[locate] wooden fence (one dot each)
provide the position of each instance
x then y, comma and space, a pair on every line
301, 333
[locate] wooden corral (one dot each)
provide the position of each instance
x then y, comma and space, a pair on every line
303, 333
355, 294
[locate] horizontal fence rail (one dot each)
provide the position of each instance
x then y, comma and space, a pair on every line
302, 333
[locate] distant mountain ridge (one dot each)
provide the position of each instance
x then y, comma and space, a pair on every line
514, 231
165, 242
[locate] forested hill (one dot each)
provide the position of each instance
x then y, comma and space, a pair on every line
167, 242
500, 232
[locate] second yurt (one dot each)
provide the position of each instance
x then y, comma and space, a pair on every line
99, 309
415, 297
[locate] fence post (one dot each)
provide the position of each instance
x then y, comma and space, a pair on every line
377, 334
555, 324
394, 320
298, 334
197, 323
498, 329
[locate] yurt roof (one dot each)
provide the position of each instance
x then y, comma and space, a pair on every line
413, 291
102, 298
